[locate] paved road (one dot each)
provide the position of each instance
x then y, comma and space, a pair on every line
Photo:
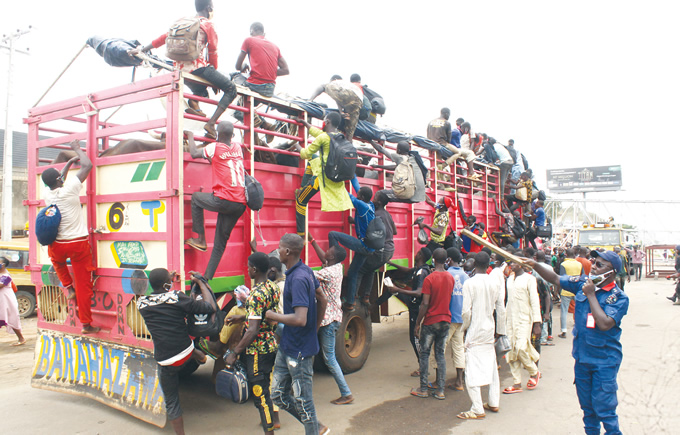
648, 389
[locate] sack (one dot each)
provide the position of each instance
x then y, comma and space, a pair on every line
254, 193
544, 231
502, 345
233, 383
404, 181
342, 159
422, 237
183, 43
521, 194
378, 106
375, 234
541, 195
205, 325
519, 229
47, 224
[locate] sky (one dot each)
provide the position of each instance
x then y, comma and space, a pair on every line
580, 83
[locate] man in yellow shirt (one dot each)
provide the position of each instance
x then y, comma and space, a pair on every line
334, 196
570, 266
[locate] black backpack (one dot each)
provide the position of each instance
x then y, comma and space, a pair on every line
205, 325
254, 193
375, 234
342, 159
519, 229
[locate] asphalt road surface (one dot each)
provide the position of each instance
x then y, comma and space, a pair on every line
648, 389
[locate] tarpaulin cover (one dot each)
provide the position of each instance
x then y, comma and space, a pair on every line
114, 51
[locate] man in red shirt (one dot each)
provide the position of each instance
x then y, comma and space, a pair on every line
202, 67
435, 315
266, 62
228, 197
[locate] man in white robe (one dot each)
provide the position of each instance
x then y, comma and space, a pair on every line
481, 295
523, 315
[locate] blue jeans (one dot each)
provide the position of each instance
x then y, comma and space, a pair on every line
265, 89
433, 334
292, 389
596, 390
327, 341
564, 311
336, 238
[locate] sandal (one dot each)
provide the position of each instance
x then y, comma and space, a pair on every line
491, 408
344, 400
533, 383
512, 390
347, 307
195, 245
415, 374
205, 348
195, 112
439, 395
469, 415
18, 343
210, 131
454, 388
419, 393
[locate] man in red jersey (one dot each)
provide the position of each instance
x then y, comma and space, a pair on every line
266, 62
228, 197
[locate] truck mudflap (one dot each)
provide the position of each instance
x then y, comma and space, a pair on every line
116, 375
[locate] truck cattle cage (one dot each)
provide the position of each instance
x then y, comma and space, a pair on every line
138, 211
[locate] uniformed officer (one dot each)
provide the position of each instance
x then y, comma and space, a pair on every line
597, 337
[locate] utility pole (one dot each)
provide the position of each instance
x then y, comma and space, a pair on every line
8, 42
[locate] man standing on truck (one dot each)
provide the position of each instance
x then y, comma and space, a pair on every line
72, 237
266, 62
228, 197
334, 196
299, 341
165, 312
204, 68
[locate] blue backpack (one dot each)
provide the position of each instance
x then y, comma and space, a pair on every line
47, 224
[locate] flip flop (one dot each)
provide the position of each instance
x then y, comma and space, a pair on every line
203, 345
195, 112
491, 408
347, 307
512, 390
196, 246
18, 343
439, 395
419, 393
469, 415
415, 374
533, 383
454, 388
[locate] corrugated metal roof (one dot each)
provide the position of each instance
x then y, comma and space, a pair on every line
20, 150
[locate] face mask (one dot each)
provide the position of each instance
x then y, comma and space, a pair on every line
597, 279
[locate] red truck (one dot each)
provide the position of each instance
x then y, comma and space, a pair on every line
138, 211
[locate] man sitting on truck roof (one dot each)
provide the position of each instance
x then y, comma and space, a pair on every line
334, 196
164, 312
72, 236
202, 67
228, 197
266, 62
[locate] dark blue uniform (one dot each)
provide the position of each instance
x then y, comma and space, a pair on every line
598, 355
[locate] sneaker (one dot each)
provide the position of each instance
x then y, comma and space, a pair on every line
563, 335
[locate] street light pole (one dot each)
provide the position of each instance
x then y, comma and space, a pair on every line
8, 166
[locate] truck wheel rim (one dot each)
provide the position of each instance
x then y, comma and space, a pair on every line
355, 337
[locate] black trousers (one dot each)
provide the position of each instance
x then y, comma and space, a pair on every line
228, 213
218, 80
260, 368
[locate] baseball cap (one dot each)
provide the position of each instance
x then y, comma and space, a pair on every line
609, 256
49, 176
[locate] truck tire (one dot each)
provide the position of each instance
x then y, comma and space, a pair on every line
353, 342
26, 303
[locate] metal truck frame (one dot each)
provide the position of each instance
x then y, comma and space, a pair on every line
138, 209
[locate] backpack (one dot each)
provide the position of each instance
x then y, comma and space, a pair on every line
342, 159
183, 42
205, 325
519, 229
233, 383
377, 101
525, 162
47, 224
254, 193
404, 181
375, 234
366, 109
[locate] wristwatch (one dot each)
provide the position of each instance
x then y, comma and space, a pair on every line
226, 354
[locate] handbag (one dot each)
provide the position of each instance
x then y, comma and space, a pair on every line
544, 231
232, 383
502, 345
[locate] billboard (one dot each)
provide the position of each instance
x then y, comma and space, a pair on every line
584, 179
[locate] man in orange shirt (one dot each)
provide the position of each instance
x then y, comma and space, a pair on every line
582, 258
